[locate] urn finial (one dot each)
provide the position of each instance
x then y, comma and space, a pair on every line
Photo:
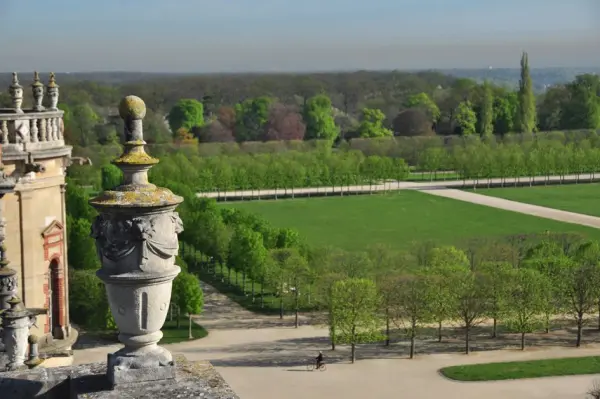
16, 94
37, 88
52, 92
136, 235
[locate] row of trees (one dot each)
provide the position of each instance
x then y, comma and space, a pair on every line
478, 160
279, 170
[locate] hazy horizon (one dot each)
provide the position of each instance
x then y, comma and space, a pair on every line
197, 36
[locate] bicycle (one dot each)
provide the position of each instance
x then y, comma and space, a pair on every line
311, 366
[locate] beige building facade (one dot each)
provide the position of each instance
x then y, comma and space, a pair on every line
35, 156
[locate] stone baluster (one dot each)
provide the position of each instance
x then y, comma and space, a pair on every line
34, 355
50, 129
16, 94
34, 130
3, 132
43, 129
37, 88
16, 322
54, 129
52, 93
136, 237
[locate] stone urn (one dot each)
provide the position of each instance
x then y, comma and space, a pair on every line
16, 94
52, 93
136, 239
37, 89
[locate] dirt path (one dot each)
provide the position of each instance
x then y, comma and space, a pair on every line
500, 203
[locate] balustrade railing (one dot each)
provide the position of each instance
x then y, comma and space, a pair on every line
37, 126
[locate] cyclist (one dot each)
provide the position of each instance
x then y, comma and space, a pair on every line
319, 360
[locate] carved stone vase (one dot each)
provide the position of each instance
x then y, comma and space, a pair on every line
136, 239
37, 89
52, 93
16, 93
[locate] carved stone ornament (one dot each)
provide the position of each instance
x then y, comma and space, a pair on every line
156, 235
8, 284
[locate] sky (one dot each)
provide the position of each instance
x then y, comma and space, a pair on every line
294, 35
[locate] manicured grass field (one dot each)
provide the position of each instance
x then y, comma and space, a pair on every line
519, 370
398, 219
579, 198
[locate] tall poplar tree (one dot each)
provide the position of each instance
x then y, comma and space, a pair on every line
526, 118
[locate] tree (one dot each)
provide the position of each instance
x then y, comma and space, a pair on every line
319, 120
354, 307
526, 117
251, 115
412, 122
285, 123
296, 268
581, 290
423, 102
186, 113
471, 302
371, 124
412, 298
505, 113
84, 120
486, 116
441, 288
551, 108
528, 293
82, 248
111, 177
188, 296
497, 277
247, 253
582, 109
215, 132
466, 119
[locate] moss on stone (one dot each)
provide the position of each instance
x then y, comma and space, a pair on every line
139, 198
136, 158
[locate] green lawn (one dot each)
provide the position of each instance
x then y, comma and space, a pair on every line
579, 198
529, 369
398, 219
172, 334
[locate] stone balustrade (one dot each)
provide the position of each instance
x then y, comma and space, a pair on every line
35, 128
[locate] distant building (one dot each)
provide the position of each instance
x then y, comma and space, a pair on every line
34, 154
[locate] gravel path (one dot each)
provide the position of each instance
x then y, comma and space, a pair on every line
535, 210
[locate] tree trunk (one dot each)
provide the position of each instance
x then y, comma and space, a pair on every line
281, 306
229, 275
353, 352
244, 282
522, 341
262, 295
440, 331
412, 339
579, 329
171, 311
178, 318
252, 290
494, 328
387, 330
296, 306
467, 336
190, 325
